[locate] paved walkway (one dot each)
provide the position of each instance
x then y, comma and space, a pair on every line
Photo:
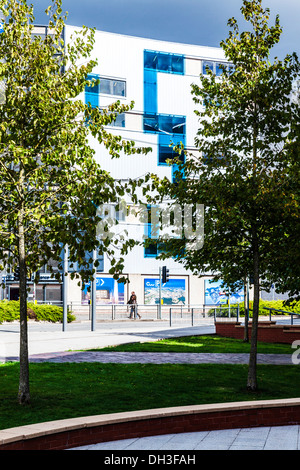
155, 358
263, 438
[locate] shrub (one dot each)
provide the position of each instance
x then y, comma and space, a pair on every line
278, 304
222, 311
10, 311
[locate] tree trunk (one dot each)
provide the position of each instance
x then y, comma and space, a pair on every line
24, 394
252, 378
246, 310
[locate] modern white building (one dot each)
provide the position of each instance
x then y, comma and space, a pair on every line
157, 76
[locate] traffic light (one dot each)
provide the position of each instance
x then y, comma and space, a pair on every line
17, 273
165, 274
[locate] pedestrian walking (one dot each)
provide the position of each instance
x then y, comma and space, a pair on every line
133, 306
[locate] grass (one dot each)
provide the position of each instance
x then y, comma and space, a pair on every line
69, 390
201, 344
60, 391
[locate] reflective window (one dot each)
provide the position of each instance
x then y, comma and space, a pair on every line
150, 60
112, 87
207, 65
219, 69
164, 123
119, 121
151, 123
164, 62
177, 64
164, 154
216, 67
178, 125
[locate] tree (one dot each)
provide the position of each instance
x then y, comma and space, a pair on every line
51, 185
248, 144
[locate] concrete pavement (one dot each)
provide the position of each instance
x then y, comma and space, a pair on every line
262, 438
48, 337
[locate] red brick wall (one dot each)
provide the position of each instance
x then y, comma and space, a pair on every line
268, 332
205, 421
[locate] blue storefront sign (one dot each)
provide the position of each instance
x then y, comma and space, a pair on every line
108, 291
172, 292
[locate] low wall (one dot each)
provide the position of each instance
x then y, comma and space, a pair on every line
69, 433
268, 331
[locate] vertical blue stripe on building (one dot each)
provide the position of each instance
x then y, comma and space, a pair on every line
150, 91
170, 129
92, 93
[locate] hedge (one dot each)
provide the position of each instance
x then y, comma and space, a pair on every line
10, 311
278, 304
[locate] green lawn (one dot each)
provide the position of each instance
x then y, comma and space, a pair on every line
69, 390
202, 344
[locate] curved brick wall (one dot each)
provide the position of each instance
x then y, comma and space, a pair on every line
65, 434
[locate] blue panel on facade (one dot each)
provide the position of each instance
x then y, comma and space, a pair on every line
92, 93
171, 129
92, 99
150, 91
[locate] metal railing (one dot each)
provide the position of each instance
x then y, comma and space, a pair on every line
171, 313
285, 312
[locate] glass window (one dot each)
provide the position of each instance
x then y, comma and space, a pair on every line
119, 121
112, 87
164, 154
167, 153
207, 65
178, 125
150, 59
164, 62
166, 123
177, 64
151, 123
219, 69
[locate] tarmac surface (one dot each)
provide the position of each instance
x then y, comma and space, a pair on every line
48, 343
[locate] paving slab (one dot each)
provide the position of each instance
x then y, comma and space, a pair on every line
264, 438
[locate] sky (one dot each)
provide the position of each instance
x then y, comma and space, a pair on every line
200, 22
